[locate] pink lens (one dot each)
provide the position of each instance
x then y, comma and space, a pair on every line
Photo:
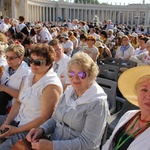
81, 74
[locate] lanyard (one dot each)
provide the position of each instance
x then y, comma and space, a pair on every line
120, 142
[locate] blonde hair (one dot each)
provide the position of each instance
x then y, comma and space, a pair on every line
86, 63
18, 49
140, 81
125, 37
3, 38
148, 44
91, 37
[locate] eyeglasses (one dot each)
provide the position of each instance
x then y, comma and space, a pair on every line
37, 62
80, 74
10, 57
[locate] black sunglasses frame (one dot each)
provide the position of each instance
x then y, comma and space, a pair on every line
37, 62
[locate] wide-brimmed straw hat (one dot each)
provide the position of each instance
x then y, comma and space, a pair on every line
128, 79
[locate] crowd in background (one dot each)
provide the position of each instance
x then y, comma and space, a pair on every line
98, 40
23, 42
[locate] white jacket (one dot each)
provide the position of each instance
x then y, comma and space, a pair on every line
142, 142
14, 81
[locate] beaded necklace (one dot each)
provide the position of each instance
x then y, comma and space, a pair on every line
134, 134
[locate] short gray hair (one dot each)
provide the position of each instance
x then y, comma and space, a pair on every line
18, 49
86, 63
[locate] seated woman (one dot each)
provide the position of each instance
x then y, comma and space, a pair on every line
37, 99
67, 44
104, 51
80, 117
126, 50
82, 41
90, 49
133, 130
12, 77
143, 58
134, 40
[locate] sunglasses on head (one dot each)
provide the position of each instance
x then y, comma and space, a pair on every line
80, 74
37, 62
10, 57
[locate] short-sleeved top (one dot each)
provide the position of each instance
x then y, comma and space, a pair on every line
93, 50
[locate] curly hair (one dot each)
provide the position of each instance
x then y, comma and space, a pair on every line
45, 51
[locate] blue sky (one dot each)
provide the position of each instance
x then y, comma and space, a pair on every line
122, 2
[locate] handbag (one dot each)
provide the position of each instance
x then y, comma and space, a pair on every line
22, 144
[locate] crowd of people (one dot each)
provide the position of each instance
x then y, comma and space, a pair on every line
48, 83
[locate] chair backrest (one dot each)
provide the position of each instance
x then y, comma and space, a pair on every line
109, 72
111, 61
127, 63
109, 87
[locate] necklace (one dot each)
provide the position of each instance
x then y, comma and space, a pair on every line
135, 133
144, 121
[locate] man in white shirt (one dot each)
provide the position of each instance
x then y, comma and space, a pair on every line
92, 32
4, 26
74, 25
109, 25
61, 63
44, 34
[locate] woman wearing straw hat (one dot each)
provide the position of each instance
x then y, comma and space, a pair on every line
133, 130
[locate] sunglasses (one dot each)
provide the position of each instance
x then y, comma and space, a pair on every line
80, 74
37, 62
10, 57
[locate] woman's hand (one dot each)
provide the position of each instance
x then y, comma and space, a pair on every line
42, 144
34, 134
10, 130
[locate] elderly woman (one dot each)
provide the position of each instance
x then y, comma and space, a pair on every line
80, 117
90, 49
12, 77
133, 129
37, 99
126, 50
66, 43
